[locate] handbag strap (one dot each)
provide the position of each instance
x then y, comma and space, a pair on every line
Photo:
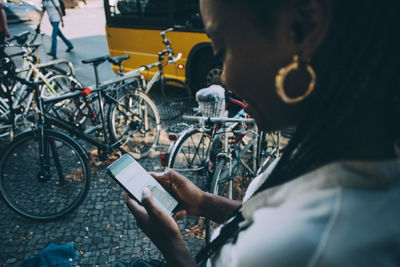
56, 9
228, 231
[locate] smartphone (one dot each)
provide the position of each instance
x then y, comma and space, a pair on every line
133, 178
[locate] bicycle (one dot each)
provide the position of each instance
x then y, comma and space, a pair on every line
165, 57
49, 148
44, 173
118, 122
126, 104
16, 100
223, 149
189, 153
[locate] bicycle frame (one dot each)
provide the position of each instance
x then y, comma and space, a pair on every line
159, 75
84, 135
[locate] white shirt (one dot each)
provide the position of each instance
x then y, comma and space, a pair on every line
342, 214
51, 9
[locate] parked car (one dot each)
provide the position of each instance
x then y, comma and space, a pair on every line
17, 10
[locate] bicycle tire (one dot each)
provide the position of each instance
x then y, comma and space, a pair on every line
60, 190
240, 175
190, 155
133, 109
269, 147
221, 184
217, 188
56, 70
62, 84
69, 109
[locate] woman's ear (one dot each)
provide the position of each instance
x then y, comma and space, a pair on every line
310, 25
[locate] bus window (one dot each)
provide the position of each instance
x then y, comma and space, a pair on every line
187, 14
134, 26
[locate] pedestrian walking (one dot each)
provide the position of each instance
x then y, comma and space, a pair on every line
55, 16
3, 29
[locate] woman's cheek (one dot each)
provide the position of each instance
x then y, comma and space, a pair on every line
232, 78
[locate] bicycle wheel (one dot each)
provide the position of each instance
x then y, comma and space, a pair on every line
190, 155
221, 185
269, 147
73, 110
49, 191
231, 177
134, 119
59, 84
57, 69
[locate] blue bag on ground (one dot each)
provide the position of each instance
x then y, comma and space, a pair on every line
64, 255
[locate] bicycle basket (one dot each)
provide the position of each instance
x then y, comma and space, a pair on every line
211, 101
171, 112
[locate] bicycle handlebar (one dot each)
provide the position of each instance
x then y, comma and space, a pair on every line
167, 30
175, 59
153, 65
167, 43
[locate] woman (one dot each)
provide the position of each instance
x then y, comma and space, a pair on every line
329, 68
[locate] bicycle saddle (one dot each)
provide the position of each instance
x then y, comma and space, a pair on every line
95, 60
118, 60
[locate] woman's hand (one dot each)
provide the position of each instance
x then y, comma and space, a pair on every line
161, 228
188, 194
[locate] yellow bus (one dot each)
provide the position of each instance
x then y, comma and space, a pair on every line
133, 27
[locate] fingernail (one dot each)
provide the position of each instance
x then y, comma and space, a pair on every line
146, 192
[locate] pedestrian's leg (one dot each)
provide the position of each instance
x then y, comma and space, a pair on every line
53, 50
66, 41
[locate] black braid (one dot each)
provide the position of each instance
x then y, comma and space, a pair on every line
357, 72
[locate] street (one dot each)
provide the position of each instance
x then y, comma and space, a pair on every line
102, 229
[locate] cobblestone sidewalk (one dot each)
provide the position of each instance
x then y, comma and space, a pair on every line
102, 228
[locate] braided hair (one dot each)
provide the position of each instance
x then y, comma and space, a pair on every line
357, 69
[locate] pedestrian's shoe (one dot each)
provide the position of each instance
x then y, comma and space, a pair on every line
69, 49
52, 55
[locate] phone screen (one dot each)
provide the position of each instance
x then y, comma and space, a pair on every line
133, 178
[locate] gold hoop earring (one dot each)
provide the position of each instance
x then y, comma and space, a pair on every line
282, 75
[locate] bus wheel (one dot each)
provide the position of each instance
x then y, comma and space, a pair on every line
207, 72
